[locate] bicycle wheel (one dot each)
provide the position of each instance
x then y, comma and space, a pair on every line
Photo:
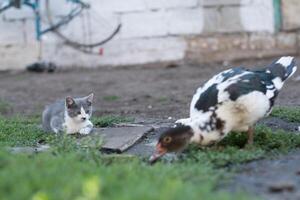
80, 25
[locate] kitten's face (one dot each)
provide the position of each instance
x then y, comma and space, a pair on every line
79, 109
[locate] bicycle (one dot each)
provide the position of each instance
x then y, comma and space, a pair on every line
57, 24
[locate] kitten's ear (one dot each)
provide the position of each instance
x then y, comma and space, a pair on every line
90, 98
70, 102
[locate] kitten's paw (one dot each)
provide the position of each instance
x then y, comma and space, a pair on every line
85, 131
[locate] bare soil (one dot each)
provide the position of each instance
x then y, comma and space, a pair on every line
152, 92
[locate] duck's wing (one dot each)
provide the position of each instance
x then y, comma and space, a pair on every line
207, 97
237, 82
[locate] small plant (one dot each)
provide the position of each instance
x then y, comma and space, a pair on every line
5, 107
162, 99
111, 98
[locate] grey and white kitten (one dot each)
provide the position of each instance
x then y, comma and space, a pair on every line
71, 115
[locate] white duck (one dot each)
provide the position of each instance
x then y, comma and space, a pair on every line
233, 100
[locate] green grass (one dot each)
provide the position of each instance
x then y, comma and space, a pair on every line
81, 172
70, 171
291, 114
111, 98
72, 176
232, 149
20, 132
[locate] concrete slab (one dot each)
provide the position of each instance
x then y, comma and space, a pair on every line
146, 147
119, 139
29, 150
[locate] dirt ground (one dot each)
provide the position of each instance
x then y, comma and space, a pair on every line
151, 92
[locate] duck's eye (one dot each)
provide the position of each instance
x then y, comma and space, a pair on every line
78, 112
167, 139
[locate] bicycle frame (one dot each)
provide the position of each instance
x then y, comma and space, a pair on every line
35, 6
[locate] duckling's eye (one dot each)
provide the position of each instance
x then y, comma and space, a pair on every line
167, 139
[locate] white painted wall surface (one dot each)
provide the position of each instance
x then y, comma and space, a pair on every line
152, 30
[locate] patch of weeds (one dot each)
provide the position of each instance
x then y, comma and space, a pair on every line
232, 149
278, 141
19, 131
109, 159
110, 120
222, 157
85, 149
265, 139
5, 107
111, 98
291, 114
62, 143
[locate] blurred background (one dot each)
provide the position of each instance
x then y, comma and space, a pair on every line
152, 31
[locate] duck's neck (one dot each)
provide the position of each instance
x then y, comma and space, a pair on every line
189, 123
204, 131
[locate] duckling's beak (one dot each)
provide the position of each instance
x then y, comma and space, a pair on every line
160, 151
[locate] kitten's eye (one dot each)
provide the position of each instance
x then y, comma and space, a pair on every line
79, 112
87, 112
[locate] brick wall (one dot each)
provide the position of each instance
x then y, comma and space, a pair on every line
152, 31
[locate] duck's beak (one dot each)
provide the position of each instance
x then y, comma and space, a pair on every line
160, 151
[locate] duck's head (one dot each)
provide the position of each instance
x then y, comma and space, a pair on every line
172, 140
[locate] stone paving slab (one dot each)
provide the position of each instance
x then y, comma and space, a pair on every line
146, 147
119, 139
29, 150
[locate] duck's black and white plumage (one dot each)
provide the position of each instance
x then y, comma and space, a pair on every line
235, 99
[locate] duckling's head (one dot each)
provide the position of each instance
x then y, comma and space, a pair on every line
172, 140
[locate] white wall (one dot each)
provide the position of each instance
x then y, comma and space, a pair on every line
152, 30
